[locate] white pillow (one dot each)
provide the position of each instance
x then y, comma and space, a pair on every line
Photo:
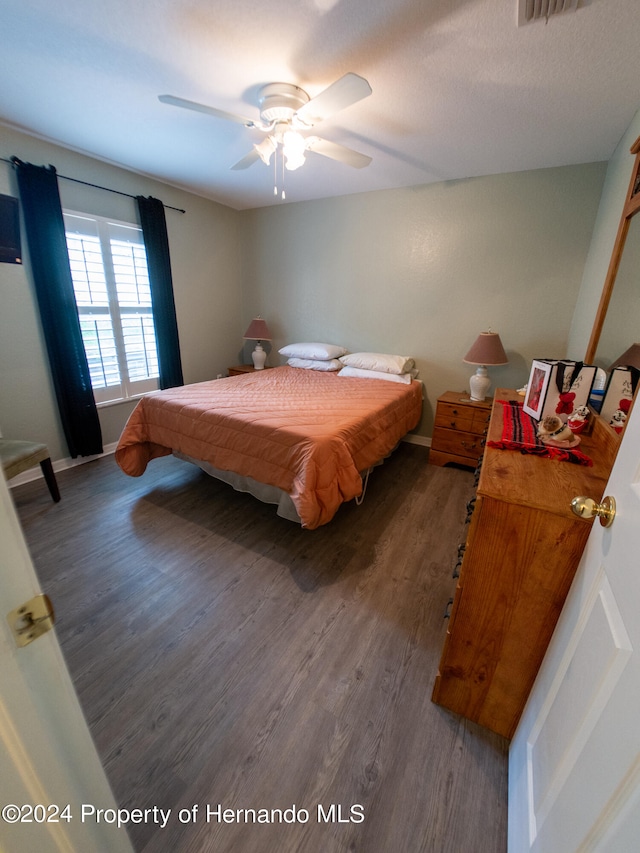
313, 350
315, 363
405, 378
378, 361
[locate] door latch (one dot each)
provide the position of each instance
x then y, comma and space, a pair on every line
31, 620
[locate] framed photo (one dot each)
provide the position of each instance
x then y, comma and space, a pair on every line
537, 388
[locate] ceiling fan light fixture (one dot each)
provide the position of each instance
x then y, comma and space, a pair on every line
293, 148
293, 163
265, 149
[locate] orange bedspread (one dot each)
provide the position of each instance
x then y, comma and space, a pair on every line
306, 432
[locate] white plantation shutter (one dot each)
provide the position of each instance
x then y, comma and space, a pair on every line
111, 284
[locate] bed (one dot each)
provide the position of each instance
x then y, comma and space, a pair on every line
300, 438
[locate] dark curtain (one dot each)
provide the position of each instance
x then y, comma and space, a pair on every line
156, 241
44, 228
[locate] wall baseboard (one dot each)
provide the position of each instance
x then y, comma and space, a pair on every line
422, 440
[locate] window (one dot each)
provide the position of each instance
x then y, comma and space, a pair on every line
111, 283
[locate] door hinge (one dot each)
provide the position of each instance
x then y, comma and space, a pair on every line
32, 619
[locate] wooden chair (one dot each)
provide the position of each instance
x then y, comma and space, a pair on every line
19, 456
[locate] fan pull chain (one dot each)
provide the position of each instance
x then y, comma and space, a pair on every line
282, 161
283, 194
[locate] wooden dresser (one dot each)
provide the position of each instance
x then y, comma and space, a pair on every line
460, 429
522, 550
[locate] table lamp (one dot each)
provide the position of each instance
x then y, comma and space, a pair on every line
487, 350
258, 331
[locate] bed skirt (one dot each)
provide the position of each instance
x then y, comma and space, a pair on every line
263, 492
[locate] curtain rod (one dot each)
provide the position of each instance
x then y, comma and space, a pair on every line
98, 187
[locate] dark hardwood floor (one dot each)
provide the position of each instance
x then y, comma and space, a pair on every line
225, 657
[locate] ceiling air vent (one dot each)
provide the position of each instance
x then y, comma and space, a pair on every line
533, 10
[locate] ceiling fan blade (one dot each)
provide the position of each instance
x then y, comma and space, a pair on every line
248, 160
337, 152
346, 91
203, 108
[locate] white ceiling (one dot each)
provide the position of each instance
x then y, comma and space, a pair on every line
459, 89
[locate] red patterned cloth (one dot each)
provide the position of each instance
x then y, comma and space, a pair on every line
519, 432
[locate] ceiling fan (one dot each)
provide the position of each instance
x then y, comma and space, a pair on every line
285, 111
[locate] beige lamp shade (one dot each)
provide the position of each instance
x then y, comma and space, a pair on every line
487, 350
258, 331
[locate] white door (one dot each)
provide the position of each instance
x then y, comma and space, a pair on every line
574, 763
47, 758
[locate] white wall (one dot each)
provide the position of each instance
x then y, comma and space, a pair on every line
422, 271
205, 252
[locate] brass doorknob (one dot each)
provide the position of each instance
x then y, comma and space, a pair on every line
586, 507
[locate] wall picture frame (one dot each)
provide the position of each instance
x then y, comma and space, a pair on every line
537, 388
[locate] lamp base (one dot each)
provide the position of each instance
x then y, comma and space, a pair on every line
259, 357
479, 384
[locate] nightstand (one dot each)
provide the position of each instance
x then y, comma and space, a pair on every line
459, 430
239, 369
